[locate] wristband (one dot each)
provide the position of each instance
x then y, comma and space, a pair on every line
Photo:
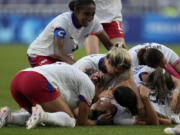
98, 122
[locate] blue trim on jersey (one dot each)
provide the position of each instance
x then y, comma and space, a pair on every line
31, 60
82, 98
140, 76
50, 88
100, 65
59, 32
73, 21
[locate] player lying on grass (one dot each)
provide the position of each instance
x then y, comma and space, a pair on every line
66, 33
115, 67
121, 103
165, 95
156, 55
52, 92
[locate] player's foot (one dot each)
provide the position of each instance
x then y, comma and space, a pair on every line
37, 117
4, 116
172, 131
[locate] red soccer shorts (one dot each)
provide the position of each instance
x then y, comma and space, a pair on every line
29, 88
113, 29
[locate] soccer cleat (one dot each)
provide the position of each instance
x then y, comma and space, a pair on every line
4, 116
36, 118
172, 131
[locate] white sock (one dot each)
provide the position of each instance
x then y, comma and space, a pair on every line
19, 118
59, 119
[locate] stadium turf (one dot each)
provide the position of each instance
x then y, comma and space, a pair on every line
13, 58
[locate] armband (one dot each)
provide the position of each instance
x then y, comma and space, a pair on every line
59, 32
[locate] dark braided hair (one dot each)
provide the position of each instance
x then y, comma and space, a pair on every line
79, 4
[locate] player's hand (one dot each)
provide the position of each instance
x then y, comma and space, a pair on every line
97, 78
105, 119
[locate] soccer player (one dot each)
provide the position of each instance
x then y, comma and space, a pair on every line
115, 64
156, 55
165, 93
109, 14
65, 34
121, 103
52, 91
119, 59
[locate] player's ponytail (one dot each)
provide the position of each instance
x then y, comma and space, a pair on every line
161, 82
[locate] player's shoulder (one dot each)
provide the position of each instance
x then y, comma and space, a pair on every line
63, 16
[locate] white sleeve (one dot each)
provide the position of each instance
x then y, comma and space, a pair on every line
86, 89
98, 28
171, 57
139, 70
82, 64
60, 22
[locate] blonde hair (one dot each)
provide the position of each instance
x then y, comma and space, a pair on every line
120, 58
120, 44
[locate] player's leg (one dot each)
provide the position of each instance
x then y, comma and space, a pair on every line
92, 44
42, 92
115, 32
57, 112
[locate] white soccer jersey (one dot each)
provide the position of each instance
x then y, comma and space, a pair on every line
162, 109
122, 116
108, 10
69, 81
170, 56
137, 72
93, 62
165, 110
89, 62
74, 37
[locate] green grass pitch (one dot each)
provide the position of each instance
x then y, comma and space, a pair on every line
13, 58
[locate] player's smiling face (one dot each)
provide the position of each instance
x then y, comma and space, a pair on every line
85, 15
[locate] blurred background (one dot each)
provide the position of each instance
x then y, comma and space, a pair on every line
143, 20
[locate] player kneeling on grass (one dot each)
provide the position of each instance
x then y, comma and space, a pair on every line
52, 92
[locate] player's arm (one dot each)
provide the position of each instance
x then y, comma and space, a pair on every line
59, 53
151, 117
175, 103
82, 118
103, 37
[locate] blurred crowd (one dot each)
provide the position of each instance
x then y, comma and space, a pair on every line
53, 7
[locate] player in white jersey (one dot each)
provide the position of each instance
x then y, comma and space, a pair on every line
66, 33
121, 103
165, 95
109, 14
115, 64
155, 55
119, 59
58, 88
